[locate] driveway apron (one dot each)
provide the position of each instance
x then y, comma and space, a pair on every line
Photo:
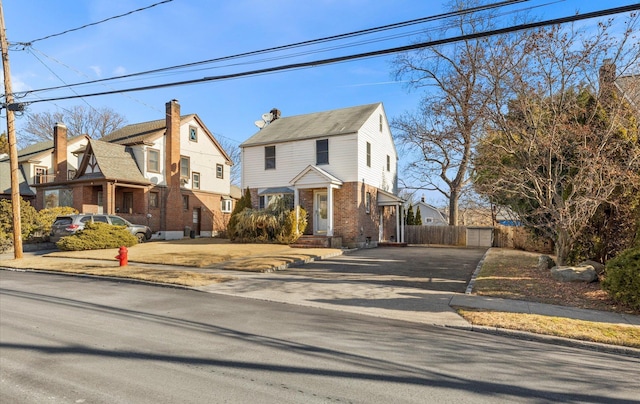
407, 283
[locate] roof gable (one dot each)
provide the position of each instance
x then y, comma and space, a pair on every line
312, 176
320, 124
5, 180
114, 161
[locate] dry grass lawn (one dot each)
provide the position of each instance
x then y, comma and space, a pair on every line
512, 274
207, 253
202, 254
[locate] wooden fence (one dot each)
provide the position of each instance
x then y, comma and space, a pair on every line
445, 235
503, 236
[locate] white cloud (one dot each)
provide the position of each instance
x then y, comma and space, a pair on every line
119, 71
97, 70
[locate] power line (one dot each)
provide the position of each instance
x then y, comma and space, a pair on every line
382, 52
300, 44
91, 24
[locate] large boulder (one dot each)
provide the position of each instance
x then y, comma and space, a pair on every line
578, 273
596, 265
545, 262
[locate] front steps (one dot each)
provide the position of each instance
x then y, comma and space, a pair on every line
309, 241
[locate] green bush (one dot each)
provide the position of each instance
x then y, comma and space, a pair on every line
622, 278
243, 203
96, 236
275, 224
28, 219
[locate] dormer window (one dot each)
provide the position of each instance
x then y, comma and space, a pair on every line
193, 134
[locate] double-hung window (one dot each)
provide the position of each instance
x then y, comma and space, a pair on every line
322, 151
270, 158
195, 180
219, 171
368, 154
184, 167
153, 160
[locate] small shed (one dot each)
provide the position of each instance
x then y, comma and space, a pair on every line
479, 236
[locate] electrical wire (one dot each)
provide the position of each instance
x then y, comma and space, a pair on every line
90, 24
477, 35
300, 44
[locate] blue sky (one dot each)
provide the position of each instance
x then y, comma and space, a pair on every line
184, 31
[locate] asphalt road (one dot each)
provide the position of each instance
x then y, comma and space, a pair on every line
66, 339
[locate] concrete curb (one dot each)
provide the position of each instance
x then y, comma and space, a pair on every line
550, 339
475, 273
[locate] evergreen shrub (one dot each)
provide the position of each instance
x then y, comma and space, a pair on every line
622, 278
96, 236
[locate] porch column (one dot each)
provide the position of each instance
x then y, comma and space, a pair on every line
329, 211
296, 205
401, 222
398, 230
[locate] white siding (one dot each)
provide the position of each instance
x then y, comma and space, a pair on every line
293, 157
381, 146
204, 155
347, 158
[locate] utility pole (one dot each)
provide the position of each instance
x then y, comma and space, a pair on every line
13, 148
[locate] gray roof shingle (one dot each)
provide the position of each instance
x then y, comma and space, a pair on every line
5, 180
320, 124
140, 132
115, 162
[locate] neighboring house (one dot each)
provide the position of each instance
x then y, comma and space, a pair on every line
36, 164
429, 214
339, 165
171, 174
5, 182
626, 86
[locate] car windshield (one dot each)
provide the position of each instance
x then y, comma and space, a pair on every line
118, 221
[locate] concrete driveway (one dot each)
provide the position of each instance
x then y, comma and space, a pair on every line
446, 269
404, 283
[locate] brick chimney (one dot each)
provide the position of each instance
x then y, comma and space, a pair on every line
173, 216
172, 143
60, 152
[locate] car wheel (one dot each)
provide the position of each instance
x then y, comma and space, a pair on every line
141, 237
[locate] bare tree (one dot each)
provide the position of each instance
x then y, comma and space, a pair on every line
567, 143
442, 133
232, 149
79, 120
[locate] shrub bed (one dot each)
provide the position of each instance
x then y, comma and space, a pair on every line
96, 236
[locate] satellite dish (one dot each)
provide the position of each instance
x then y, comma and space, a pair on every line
260, 124
268, 117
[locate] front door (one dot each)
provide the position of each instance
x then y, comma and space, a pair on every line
320, 209
196, 220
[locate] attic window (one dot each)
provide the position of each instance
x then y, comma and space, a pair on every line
381, 122
193, 134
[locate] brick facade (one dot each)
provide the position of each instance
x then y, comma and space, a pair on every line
351, 221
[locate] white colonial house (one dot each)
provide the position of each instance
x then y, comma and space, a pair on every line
339, 165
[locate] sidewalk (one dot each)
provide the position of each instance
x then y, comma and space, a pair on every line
377, 299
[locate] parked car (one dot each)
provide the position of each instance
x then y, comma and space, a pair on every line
69, 224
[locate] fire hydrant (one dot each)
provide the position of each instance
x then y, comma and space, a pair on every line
123, 256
